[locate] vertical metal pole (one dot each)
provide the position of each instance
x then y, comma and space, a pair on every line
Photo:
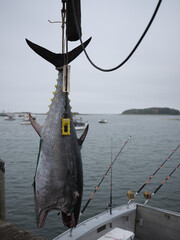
63, 23
65, 45
2, 190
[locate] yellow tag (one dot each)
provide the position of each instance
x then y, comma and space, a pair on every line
65, 126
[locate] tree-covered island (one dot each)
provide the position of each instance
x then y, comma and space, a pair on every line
152, 111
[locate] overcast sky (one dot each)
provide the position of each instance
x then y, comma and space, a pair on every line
151, 78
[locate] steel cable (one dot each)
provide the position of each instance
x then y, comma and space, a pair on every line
131, 53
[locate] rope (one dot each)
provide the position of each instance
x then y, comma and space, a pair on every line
131, 53
65, 44
39, 153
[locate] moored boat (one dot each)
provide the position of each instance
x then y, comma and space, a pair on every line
79, 124
3, 114
26, 121
10, 117
102, 120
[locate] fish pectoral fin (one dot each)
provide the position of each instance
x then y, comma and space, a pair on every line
83, 136
76, 194
36, 126
66, 183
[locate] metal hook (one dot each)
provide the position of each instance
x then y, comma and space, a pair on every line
54, 21
70, 233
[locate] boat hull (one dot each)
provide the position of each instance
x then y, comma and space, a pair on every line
145, 222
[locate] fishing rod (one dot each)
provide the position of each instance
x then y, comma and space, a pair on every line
131, 195
110, 199
148, 195
110, 167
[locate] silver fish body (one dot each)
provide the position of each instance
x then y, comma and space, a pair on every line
58, 182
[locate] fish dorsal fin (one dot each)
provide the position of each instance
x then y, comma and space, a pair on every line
83, 136
35, 125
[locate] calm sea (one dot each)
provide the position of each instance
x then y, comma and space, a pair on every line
153, 138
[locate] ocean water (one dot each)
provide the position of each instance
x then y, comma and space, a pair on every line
153, 138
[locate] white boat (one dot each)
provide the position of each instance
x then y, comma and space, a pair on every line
10, 117
26, 121
134, 221
102, 121
79, 124
3, 114
21, 115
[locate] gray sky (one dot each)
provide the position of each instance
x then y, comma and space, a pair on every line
151, 78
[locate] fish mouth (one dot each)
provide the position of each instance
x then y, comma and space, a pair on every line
68, 219
42, 218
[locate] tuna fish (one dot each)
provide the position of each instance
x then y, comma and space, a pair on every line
58, 181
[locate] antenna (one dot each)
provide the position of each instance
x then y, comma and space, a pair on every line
110, 204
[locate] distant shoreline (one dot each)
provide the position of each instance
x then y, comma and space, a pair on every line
146, 111
152, 111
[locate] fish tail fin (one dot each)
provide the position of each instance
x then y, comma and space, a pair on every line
57, 59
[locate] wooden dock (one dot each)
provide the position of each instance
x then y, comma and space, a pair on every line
7, 230
10, 232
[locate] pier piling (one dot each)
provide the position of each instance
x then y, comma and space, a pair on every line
10, 232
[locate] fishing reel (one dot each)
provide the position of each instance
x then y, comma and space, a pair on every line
130, 195
147, 195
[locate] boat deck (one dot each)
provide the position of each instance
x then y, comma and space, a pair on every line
145, 222
97, 226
